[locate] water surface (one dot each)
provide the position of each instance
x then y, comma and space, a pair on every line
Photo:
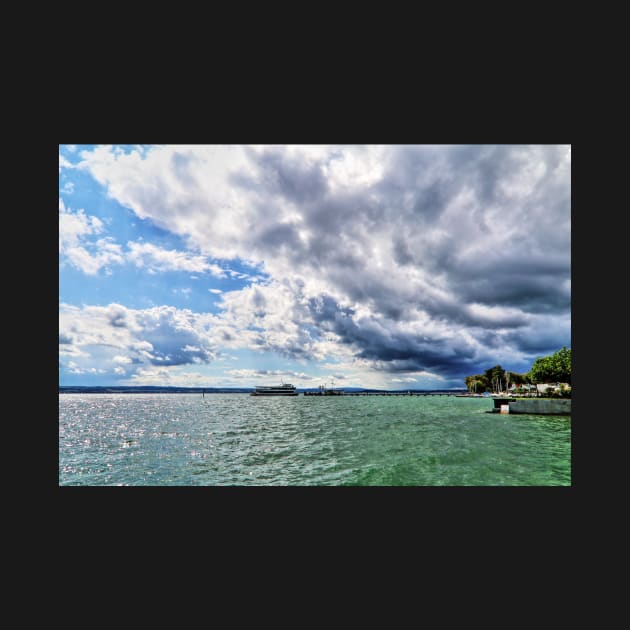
236, 439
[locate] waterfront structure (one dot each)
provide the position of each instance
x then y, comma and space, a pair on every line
325, 391
533, 406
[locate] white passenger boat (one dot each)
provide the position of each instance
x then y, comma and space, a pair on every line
286, 389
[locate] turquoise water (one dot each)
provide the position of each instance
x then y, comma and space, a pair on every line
235, 439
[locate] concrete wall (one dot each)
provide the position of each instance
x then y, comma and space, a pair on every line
547, 406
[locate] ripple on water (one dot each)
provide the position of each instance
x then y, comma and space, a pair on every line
174, 439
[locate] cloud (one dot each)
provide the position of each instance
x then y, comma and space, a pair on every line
181, 189
65, 339
75, 225
121, 359
114, 336
78, 245
173, 376
64, 163
158, 259
249, 374
73, 368
410, 258
269, 317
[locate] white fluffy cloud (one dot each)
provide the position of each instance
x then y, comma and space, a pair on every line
73, 226
76, 242
268, 375
64, 163
80, 247
116, 336
181, 189
158, 259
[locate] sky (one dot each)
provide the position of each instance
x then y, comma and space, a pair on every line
378, 266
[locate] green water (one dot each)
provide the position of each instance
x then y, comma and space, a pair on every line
235, 439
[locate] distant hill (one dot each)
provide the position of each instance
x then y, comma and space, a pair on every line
152, 389
149, 389
345, 389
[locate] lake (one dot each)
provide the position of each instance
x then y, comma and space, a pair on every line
237, 439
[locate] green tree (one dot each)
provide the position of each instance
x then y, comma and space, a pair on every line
496, 377
555, 368
477, 383
517, 379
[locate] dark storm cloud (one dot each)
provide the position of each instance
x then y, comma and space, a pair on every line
343, 212
539, 342
326, 312
487, 226
535, 294
534, 283
400, 250
423, 176
278, 236
397, 351
278, 173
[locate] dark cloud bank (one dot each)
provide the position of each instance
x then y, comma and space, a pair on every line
488, 228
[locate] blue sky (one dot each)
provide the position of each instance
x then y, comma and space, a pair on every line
377, 266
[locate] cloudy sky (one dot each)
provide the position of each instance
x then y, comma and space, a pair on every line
371, 265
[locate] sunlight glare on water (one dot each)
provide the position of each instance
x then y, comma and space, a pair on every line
235, 439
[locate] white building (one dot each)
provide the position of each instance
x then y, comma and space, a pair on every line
542, 387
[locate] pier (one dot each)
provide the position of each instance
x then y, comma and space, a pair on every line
342, 393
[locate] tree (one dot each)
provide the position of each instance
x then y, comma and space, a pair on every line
495, 375
517, 379
477, 383
555, 368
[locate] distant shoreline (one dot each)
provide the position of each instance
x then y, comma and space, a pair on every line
87, 389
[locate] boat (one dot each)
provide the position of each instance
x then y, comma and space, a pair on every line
285, 389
